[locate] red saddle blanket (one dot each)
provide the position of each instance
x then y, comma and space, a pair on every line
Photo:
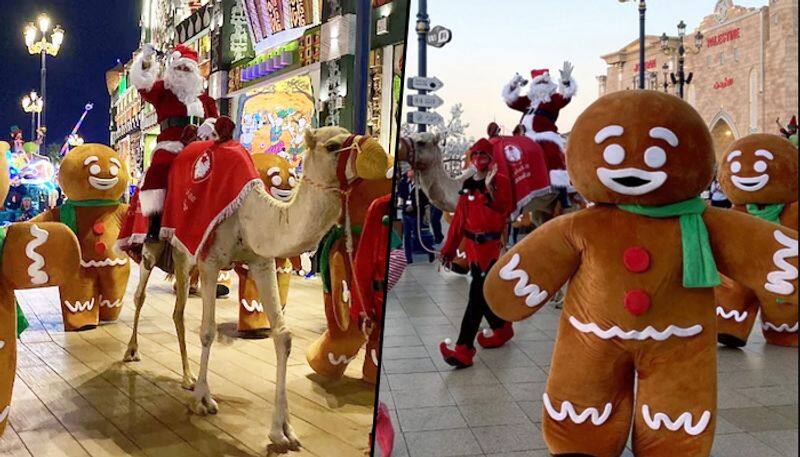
523, 161
208, 182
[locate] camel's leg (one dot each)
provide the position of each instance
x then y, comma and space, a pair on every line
182, 273
281, 434
203, 402
150, 254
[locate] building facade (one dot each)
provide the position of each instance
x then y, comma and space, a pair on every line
744, 73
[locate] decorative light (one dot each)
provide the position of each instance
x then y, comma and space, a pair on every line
698, 40
44, 22
681, 29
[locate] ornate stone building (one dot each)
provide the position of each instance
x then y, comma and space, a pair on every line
745, 72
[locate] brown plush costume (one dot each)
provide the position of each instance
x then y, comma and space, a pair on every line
641, 266
93, 178
758, 173
279, 180
32, 254
335, 349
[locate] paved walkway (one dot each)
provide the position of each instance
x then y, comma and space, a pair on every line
494, 407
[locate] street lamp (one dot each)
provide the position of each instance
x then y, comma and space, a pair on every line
32, 103
642, 10
665, 72
43, 47
681, 79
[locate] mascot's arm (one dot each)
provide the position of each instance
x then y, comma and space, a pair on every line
51, 215
40, 254
760, 255
527, 276
455, 233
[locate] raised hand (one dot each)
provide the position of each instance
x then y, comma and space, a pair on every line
566, 72
518, 81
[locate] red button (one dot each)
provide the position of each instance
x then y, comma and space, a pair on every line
636, 259
100, 247
637, 302
99, 228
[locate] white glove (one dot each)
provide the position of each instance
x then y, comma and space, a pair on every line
148, 50
517, 81
207, 130
566, 72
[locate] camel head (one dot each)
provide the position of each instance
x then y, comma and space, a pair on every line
420, 150
326, 146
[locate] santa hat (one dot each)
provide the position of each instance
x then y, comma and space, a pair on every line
483, 145
793, 122
182, 52
537, 73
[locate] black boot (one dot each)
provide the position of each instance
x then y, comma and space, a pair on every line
154, 230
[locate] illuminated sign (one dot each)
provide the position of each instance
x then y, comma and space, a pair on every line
275, 14
268, 17
727, 82
723, 37
647, 65
299, 13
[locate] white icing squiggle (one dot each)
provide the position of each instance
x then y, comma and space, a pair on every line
534, 295
778, 281
732, 314
78, 306
2, 344
567, 409
783, 328
37, 275
109, 303
345, 292
104, 263
684, 421
374, 356
253, 306
647, 333
339, 360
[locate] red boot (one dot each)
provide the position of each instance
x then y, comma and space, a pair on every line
490, 339
459, 357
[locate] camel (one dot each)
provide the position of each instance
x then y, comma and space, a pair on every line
256, 233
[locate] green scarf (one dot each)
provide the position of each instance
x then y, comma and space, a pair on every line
67, 209
770, 213
22, 322
699, 268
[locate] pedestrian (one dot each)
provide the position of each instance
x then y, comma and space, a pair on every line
412, 210
718, 197
481, 216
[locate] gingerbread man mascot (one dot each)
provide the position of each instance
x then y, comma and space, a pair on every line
180, 101
540, 109
93, 177
637, 344
758, 173
32, 254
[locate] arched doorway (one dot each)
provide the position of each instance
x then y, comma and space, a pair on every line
723, 133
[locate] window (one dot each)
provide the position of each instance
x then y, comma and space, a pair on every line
722, 58
708, 61
753, 100
736, 54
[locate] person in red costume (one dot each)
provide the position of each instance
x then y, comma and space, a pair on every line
180, 100
480, 219
540, 109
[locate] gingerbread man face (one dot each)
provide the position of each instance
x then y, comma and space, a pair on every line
277, 174
93, 171
640, 147
759, 168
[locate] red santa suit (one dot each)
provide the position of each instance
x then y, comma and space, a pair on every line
174, 114
540, 113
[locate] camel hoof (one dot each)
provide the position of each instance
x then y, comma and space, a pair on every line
211, 405
188, 382
131, 355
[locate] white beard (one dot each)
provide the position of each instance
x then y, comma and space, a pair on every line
187, 86
541, 92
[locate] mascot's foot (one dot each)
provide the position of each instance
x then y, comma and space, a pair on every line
283, 439
224, 284
785, 339
131, 355
730, 340
494, 338
460, 356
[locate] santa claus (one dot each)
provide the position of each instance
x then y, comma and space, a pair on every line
541, 107
180, 101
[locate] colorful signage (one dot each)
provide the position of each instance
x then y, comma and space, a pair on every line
649, 64
268, 17
727, 82
723, 37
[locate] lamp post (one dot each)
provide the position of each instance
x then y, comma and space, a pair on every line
665, 72
642, 11
681, 79
43, 47
32, 103
423, 27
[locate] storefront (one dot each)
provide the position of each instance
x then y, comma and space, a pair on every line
744, 73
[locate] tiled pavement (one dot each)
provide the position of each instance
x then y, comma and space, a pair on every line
494, 407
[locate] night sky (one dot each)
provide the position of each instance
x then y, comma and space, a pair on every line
98, 32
